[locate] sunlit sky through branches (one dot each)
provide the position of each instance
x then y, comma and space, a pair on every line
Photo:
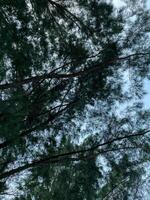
118, 4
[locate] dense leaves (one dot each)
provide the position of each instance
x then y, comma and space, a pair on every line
57, 59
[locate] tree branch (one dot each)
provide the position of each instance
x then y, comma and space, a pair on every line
64, 76
28, 131
65, 156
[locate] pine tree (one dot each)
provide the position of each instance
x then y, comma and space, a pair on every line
56, 58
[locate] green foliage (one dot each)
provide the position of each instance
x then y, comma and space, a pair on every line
122, 180
56, 58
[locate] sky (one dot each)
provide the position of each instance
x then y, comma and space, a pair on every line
119, 3
147, 96
146, 100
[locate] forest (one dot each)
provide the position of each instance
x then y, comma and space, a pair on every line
73, 123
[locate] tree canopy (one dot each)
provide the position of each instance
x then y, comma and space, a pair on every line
72, 121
